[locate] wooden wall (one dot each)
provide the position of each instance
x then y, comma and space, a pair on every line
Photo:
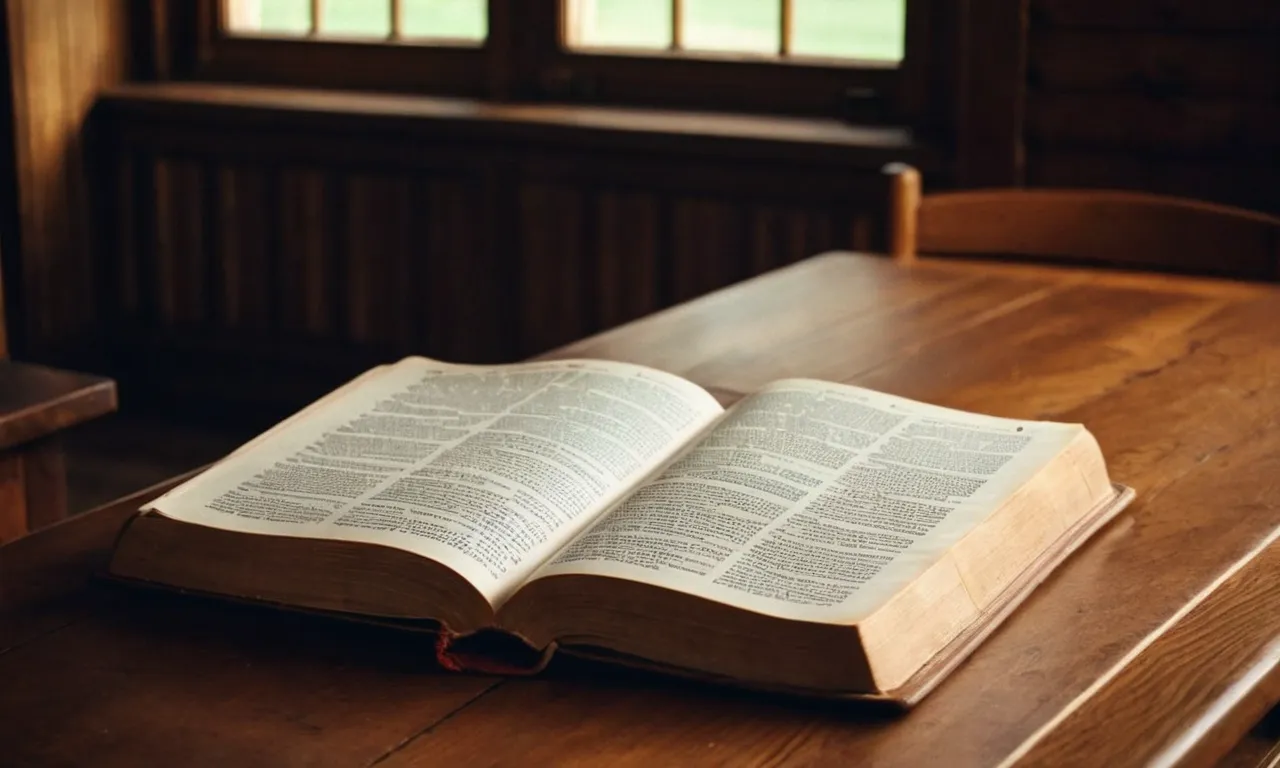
1174, 96
57, 55
261, 259
256, 251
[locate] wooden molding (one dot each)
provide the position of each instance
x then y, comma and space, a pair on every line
187, 109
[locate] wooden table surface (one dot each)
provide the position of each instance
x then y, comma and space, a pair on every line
1158, 642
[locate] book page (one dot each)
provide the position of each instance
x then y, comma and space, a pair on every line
488, 470
814, 501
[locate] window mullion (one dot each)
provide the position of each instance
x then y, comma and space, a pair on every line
317, 15
786, 27
677, 25
397, 20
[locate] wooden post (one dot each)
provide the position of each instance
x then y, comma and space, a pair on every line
904, 210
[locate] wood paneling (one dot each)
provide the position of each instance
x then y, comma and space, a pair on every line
1184, 127
556, 268
1177, 97
183, 263
1223, 180
307, 268
707, 246
240, 273
266, 259
1193, 15
1155, 64
628, 236
60, 53
377, 263
467, 304
992, 87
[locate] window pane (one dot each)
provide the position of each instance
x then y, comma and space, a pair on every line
749, 26
856, 29
355, 18
268, 17
619, 23
444, 19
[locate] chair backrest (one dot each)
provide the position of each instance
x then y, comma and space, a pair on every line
1103, 227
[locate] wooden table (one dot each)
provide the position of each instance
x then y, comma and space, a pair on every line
1157, 642
36, 404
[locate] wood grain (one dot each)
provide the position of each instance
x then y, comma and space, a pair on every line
131, 687
54, 566
61, 53
47, 586
1145, 645
1184, 663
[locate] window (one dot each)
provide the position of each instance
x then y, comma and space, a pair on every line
457, 22
858, 30
828, 57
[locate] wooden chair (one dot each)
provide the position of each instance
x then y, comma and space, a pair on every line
1097, 227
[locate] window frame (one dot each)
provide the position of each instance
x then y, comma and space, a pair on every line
525, 59
192, 44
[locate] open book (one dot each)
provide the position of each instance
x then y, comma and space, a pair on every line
814, 537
